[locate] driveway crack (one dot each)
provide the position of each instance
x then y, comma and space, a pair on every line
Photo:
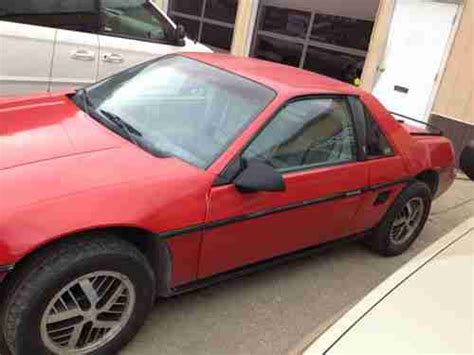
452, 207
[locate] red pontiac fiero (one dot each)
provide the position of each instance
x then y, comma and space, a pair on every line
184, 171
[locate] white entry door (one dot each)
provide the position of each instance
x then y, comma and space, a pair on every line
417, 41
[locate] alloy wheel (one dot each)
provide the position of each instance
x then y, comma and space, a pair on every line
407, 221
88, 312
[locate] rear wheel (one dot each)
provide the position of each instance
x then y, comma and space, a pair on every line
403, 222
90, 295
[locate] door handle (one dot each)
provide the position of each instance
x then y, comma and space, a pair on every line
83, 54
112, 58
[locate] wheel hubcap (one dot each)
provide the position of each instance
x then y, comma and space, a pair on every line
88, 312
407, 221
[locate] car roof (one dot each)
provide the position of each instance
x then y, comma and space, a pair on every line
283, 79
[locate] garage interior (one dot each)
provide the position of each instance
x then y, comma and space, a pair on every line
328, 37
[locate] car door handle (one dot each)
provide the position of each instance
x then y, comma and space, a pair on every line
112, 58
83, 54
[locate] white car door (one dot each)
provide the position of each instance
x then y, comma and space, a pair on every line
76, 52
26, 54
60, 55
133, 31
75, 62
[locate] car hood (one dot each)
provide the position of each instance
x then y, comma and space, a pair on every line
49, 148
46, 127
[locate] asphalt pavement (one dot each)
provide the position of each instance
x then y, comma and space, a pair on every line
270, 312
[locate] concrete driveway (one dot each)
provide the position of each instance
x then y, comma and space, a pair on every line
272, 311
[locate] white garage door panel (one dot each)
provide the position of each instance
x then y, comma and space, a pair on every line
26, 54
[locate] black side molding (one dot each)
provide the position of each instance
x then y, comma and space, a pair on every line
280, 209
260, 266
6, 268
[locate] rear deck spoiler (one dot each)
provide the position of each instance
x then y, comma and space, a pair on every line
432, 130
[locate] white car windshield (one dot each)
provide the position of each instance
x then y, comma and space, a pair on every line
181, 107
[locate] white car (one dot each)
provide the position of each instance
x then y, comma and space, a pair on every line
55, 45
426, 307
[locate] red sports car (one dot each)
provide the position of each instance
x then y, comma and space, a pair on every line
184, 171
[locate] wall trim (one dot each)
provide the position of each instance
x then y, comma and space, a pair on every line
245, 23
444, 59
439, 114
377, 44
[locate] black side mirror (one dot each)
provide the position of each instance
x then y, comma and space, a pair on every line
180, 34
258, 176
466, 160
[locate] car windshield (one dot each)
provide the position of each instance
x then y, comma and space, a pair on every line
180, 107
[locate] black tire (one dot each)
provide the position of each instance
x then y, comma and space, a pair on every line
379, 238
466, 160
54, 267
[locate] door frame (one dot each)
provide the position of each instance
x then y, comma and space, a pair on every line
378, 46
225, 177
445, 58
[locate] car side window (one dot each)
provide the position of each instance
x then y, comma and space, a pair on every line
377, 144
75, 15
136, 19
307, 133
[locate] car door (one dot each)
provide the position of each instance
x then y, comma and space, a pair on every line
76, 51
59, 53
387, 172
312, 143
132, 31
76, 57
26, 49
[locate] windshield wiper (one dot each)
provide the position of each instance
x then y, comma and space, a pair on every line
134, 135
86, 102
131, 132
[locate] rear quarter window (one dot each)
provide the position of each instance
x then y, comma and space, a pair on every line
377, 144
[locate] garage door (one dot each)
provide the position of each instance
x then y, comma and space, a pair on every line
208, 21
319, 37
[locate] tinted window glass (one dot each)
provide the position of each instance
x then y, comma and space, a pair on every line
210, 22
182, 107
192, 7
279, 51
342, 31
134, 18
285, 21
217, 36
376, 142
25, 7
342, 66
306, 133
221, 10
76, 15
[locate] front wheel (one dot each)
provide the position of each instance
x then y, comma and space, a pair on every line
403, 222
89, 295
